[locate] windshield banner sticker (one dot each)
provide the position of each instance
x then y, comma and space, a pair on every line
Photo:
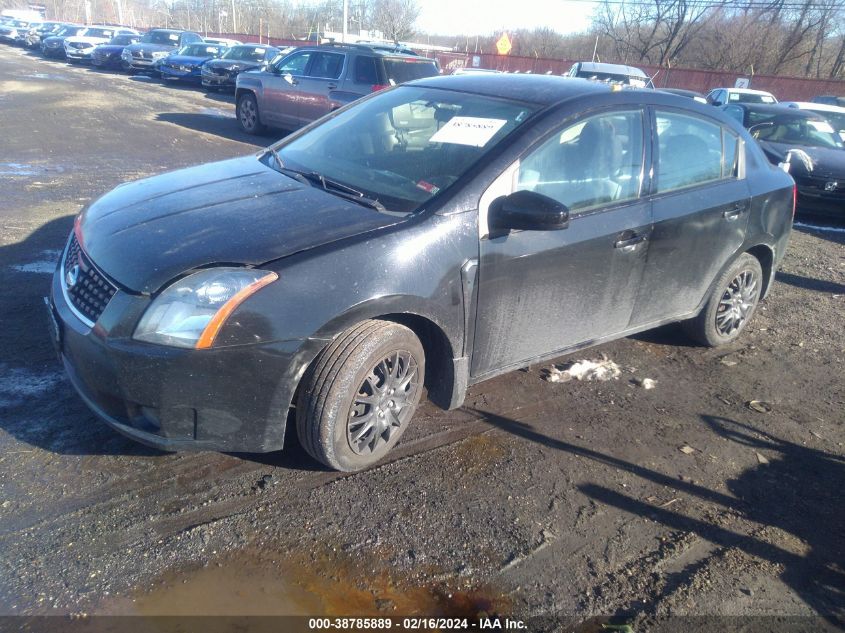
467, 130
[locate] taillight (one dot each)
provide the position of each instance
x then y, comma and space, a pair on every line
377, 87
794, 199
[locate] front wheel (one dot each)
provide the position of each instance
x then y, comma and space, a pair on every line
731, 304
247, 113
359, 395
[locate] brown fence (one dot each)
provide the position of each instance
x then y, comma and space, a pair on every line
784, 88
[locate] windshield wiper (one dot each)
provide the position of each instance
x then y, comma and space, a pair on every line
327, 184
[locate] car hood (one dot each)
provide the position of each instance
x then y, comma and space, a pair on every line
817, 161
150, 48
186, 60
143, 234
231, 64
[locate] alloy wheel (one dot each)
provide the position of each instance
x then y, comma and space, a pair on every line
737, 303
384, 401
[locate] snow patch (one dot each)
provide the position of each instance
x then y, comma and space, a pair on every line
600, 370
44, 266
815, 227
20, 385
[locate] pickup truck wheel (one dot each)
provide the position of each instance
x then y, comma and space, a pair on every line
731, 305
359, 395
247, 113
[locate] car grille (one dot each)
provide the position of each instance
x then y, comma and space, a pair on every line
79, 45
90, 292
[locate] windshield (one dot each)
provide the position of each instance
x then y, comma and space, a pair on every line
744, 97
615, 78
246, 53
123, 40
799, 131
202, 49
105, 33
69, 31
161, 37
836, 119
406, 145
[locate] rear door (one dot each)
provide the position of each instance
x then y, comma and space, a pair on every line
700, 205
544, 291
320, 80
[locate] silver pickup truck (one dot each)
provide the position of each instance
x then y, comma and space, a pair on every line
315, 80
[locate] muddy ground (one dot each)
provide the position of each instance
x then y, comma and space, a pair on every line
536, 499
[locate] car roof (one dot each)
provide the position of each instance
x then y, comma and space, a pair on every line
775, 109
745, 91
540, 89
811, 105
384, 50
620, 69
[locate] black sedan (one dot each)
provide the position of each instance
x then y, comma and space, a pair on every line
109, 55
222, 73
807, 144
54, 45
436, 234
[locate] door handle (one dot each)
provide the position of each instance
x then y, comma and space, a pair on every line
332, 86
734, 212
629, 243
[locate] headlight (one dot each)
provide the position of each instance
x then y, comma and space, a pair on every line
190, 312
125, 54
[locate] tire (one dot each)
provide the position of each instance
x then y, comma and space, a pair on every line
731, 305
348, 415
247, 113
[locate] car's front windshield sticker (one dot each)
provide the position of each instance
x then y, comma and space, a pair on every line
466, 130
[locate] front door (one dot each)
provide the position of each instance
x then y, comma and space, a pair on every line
541, 292
282, 95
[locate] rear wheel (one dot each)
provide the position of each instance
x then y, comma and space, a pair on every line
247, 113
731, 305
359, 395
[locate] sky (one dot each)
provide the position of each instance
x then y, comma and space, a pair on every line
451, 17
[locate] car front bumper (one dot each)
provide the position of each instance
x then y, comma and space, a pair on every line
812, 201
169, 72
77, 54
231, 399
212, 80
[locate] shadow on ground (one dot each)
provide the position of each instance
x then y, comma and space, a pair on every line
219, 124
798, 492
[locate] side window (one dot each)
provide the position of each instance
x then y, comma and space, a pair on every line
365, 70
594, 162
295, 64
689, 151
326, 65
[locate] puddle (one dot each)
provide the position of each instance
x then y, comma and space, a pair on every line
19, 385
218, 113
24, 169
44, 266
249, 583
816, 227
49, 76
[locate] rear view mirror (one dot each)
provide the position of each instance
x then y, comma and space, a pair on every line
528, 211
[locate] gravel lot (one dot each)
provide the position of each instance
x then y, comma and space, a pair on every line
536, 499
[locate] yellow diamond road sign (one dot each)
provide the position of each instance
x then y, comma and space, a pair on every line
504, 44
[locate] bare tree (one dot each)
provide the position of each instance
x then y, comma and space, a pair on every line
395, 18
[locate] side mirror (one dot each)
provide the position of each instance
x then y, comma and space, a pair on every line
755, 130
528, 211
289, 78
